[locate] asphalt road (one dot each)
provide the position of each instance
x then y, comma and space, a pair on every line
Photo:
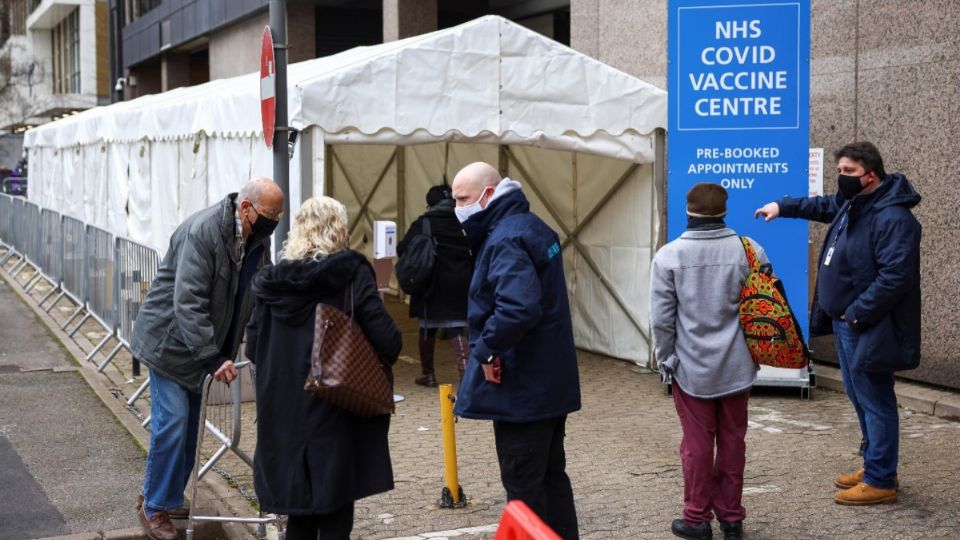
66, 465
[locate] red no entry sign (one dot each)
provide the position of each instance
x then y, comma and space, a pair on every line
268, 87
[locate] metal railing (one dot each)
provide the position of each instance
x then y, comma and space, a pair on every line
74, 286
51, 251
108, 278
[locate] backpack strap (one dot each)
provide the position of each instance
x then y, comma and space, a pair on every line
752, 260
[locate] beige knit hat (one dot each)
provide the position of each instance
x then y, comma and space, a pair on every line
707, 200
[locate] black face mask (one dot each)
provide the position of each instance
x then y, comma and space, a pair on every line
850, 186
262, 227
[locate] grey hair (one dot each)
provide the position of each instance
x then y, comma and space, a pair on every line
253, 190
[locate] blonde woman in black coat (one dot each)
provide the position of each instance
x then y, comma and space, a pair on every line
313, 459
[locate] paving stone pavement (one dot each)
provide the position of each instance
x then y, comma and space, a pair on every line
622, 459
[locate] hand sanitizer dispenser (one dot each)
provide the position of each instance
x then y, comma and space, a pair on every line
384, 239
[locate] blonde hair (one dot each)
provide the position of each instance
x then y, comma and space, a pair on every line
319, 229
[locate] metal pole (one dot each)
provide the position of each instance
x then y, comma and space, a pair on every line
281, 160
452, 494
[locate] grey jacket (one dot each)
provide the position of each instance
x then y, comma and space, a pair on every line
694, 304
182, 325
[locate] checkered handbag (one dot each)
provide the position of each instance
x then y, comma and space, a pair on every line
345, 370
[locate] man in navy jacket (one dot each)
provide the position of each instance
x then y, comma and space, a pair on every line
522, 371
868, 295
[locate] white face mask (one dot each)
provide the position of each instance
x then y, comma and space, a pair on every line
464, 212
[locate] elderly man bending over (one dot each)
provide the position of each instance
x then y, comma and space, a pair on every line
191, 324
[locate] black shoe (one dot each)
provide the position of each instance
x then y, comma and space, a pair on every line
428, 380
732, 530
700, 531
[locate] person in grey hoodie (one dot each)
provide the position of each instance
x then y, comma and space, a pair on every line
695, 285
191, 324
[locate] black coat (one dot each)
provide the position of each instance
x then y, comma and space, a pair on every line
313, 457
883, 245
446, 297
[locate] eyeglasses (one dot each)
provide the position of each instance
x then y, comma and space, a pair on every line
275, 216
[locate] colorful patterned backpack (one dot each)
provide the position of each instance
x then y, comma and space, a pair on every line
772, 333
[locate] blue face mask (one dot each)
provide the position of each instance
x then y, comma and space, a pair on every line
465, 212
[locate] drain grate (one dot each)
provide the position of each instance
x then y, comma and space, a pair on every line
9, 368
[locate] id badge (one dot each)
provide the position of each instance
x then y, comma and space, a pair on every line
826, 260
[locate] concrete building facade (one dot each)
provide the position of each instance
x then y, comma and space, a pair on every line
55, 60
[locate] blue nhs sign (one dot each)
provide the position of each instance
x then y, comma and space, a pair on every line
737, 67
739, 100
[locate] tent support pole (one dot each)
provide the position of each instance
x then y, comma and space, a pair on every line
353, 189
504, 161
660, 186
401, 190
580, 248
373, 191
328, 157
349, 181
659, 228
603, 202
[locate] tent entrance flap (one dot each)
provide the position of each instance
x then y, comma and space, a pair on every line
607, 266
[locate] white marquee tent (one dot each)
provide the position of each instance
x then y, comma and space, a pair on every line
379, 125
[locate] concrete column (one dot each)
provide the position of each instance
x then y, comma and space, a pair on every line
405, 18
88, 49
174, 71
585, 26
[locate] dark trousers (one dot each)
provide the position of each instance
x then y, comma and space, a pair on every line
712, 485
532, 469
333, 526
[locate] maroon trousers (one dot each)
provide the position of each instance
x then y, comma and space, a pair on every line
712, 486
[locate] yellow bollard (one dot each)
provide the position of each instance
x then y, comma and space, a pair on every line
452, 494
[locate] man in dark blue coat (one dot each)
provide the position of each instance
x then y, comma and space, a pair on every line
522, 371
868, 295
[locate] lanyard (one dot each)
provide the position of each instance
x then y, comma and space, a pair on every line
844, 220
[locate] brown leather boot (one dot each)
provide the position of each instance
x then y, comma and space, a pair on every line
427, 343
461, 351
157, 527
847, 481
177, 513
864, 494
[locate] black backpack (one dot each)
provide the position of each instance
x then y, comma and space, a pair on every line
415, 267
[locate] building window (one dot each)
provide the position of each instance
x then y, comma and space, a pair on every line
66, 55
134, 9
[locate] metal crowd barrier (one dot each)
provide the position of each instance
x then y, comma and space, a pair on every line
6, 227
137, 266
18, 238
74, 284
101, 289
51, 252
108, 277
32, 247
221, 418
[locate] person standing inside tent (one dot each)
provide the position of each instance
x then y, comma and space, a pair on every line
190, 325
694, 316
522, 372
441, 303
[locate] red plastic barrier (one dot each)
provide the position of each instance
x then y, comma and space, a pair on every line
518, 522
